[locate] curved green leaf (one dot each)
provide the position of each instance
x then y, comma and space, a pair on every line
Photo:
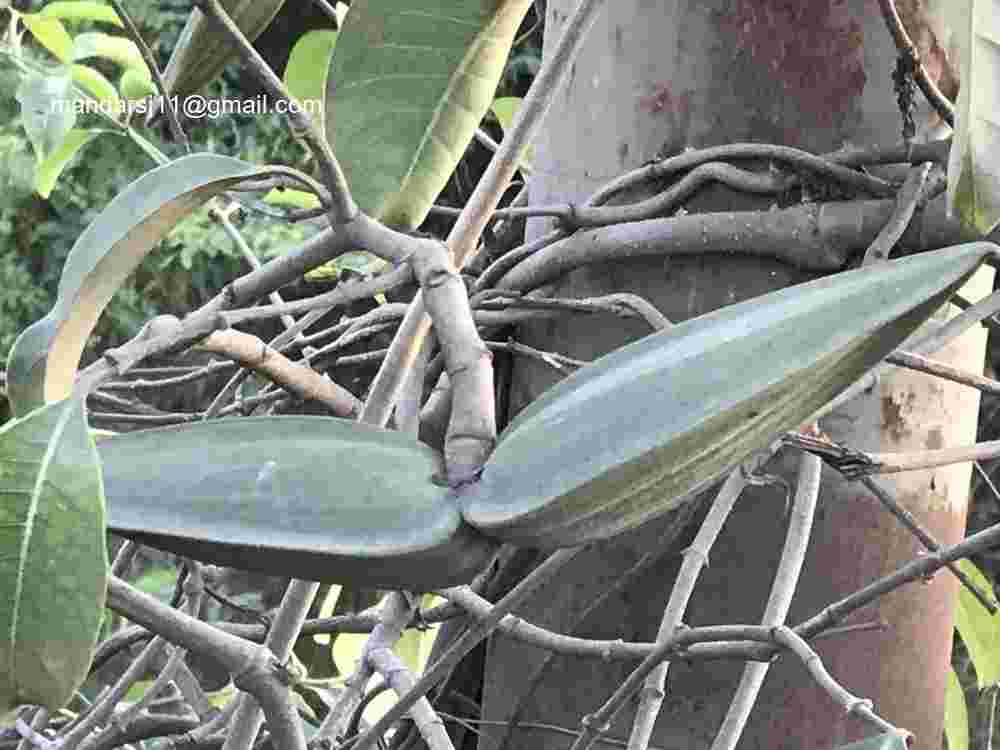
53, 165
980, 630
81, 10
53, 559
308, 65
42, 363
956, 714
647, 427
95, 84
118, 49
309, 497
203, 50
409, 84
51, 34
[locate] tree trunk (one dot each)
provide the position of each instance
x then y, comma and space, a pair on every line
653, 78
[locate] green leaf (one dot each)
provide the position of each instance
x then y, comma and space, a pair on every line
307, 68
408, 86
42, 363
887, 741
973, 169
644, 429
136, 84
47, 111
956, 714
203, 50
980, 631
81, 10
51, 34
118, 49
505, 108
47, 173
291, 198
53, 562
309, 497
95, 84
360, 262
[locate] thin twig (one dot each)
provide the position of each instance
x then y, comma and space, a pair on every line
343, 208
904, 44
176, 131
785, 581
695, 559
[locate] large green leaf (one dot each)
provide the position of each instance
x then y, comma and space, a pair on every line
973, 168
648, 426
979, 629
408, 85
53, 561
42, 363
309, 497
203, 50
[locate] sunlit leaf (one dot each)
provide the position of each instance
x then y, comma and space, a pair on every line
51, 34
95, 84
53, 560
118, 49
956, 714
980, 630
136, 84
308, 65
81, 10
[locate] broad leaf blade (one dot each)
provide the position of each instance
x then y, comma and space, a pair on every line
309, 497
52, 555
973, 169
408, 86
42, 363
203, 50
980, 630
645, 428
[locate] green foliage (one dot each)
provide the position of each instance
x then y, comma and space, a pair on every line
53, 566
401, 115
